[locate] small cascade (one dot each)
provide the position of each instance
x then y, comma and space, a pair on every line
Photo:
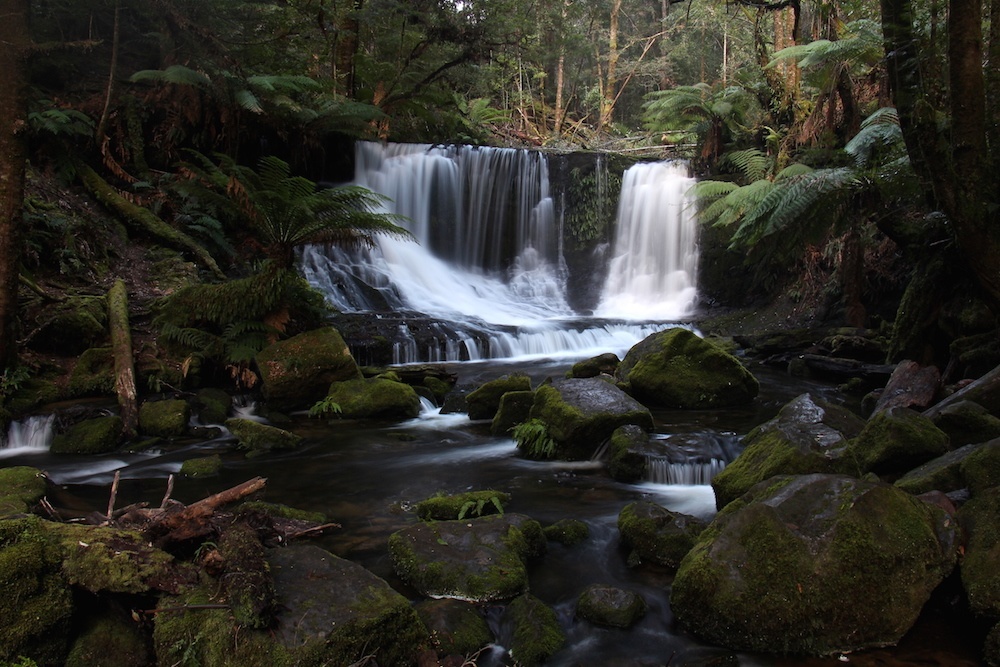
31, 434
661, 470
654, 259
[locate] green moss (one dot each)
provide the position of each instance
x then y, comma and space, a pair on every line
21, 487
246, 577
514, 409
657, 534
897, 440
981, 468
568, 532
204, 466
110, 641
457, 627
381, 613
484, 402
261, 438
166, 419
625, 463
374, 398
437, 386
613, 607
92, 436
463, 505
213, 405
297, 372
537, 635
980, 518
93, 374
282, 511
100, 559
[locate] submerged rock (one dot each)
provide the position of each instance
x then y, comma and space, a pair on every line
675, 368
581, 413
297, 372
814, 565
807, 436
480, 560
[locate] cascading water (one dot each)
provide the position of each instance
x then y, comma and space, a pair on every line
484, 276
31, 434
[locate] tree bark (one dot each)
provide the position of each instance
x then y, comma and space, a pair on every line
121, 346
14, 44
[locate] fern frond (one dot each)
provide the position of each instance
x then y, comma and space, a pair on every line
753, 163
176, 74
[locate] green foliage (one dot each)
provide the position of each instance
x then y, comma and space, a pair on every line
533, 439
475, 507
61, 122
12, 379
595, 194
325, 407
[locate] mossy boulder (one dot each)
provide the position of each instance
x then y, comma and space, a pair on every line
480, 560
93, 374
981, 468
91, 436
581, 413
164, 419
967, 423
514, 408
980, 519
72, 325
37, 603
246, 577
458, 627
626, 458
334, 612
602, 364
568, 532
808, 435
110, 641
895, 441
374, 398
484, 402
943, 473
611, 607
203, 466
260, 438
462, 506
297, 372
536, 634
213, 405
21, 487
675, 368
814, 565
656, 534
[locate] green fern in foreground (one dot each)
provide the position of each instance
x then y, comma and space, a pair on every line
533, 439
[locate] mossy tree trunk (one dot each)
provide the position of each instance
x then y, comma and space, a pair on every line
121, 345
13, 155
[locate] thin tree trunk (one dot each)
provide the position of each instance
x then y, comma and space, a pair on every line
13, 156
345, 48
121, 346
611, 73
102, 125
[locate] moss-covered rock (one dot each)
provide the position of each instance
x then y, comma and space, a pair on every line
374, 398
479, 560
675, 368
72, 325
654, 533
980, 518
602, 364
334, 612
814, 565
203, 466
297, 372
110, 641
610, 606
581, 413
260, 438
165, 419
981, 468
92, 374
37, 603
626, 459
568, 532
967, 423
21, 487
941, 474
457, 627
484, 401
896, 441
281, 511
91, 436
213, 405
246, 576
514, 408
536, 633
462, 506
808, 435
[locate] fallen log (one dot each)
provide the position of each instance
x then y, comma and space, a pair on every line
195, 520
121, 348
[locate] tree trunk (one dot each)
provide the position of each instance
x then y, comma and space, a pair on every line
121, 346
344, 49
611, 73
13, 155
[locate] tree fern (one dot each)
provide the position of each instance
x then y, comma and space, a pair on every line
175, 74
753, 164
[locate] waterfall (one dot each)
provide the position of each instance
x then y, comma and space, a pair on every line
654, 259
484, 275
31, 434
661, 470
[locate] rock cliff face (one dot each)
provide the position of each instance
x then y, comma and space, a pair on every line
814, 565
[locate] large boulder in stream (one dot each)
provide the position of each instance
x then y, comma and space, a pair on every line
484, 402
676, 368
895, 441
808, 435
374, 398
814, 565
581, 413
297, 372
656, 534
479, 560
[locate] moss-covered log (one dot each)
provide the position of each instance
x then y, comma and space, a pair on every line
121, 345
144, 219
